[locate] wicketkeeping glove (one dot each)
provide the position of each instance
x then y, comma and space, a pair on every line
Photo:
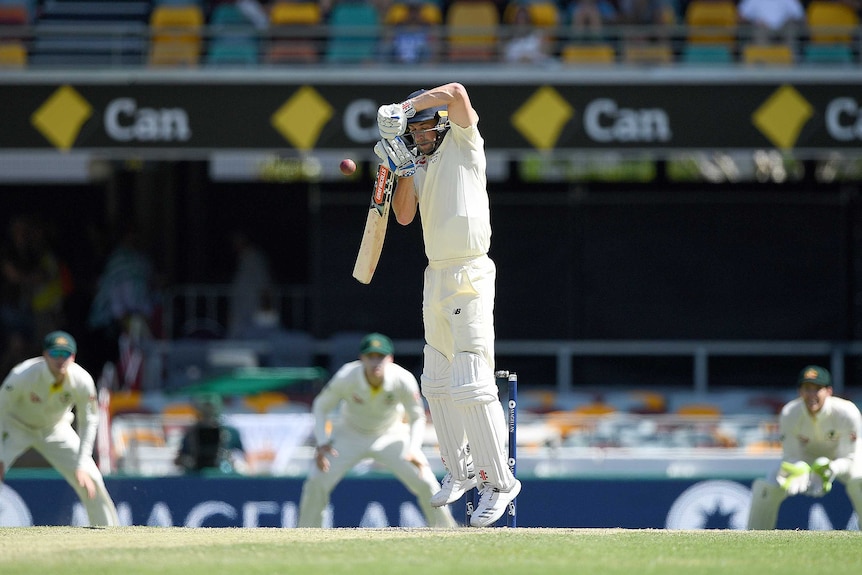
822, 477
395, 154
794, 478
392, 119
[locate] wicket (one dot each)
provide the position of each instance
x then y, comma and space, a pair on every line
472, 497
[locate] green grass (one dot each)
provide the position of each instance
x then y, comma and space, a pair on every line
174, 550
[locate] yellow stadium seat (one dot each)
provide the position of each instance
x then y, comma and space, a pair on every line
699, 410
647, 54
176, 35
292, 42
712, 22
174, 53
831, 22
397, 13
262, 402
588, 54
767, 55
13, 54
473, 29
542, 13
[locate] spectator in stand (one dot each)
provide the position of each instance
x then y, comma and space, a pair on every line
123, 307
772, 20
20, 262
527, 44
588, 18
648, 15
251, 278
413, 40
210, 444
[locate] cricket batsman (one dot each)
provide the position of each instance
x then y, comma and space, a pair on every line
820, 440
432, 142
36, 401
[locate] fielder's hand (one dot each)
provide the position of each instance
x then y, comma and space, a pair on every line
84, 480
392, 119
320, 456
794, 478
395, 154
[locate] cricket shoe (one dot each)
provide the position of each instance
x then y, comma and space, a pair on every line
452, 490
492, 504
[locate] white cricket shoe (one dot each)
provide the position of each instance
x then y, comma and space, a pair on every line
452, 490
492, 504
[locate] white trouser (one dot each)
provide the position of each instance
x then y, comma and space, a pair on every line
458, 315
59, 446
388, 450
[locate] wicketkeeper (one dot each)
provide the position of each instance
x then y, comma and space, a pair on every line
820, 443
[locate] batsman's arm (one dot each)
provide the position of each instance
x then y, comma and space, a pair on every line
404, 201
456, 99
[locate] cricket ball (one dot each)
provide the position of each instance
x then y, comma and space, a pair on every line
347, 166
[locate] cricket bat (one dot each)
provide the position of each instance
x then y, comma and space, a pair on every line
375, 226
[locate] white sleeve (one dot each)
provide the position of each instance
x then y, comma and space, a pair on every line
849, 443
321, 407
87, 408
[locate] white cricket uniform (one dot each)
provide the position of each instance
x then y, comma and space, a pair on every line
834, 432
36, 413
386, 424
459, 290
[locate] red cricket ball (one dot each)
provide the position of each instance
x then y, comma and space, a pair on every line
347, 166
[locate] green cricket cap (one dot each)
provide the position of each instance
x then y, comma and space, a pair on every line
816, 375
376, 343
60, 340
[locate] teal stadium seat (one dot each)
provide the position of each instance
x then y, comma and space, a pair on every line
707, 54
827, 54
232, 52
354, 33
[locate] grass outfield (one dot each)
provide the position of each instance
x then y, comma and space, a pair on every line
209, 551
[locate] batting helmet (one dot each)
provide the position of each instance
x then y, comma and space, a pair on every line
439, 113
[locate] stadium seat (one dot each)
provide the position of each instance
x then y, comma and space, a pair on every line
264, 402
294, 39
699, 54
767, 55
291, 348
831, 22
647, 54
699, 410
13, 54
397, 13
712, 22
473, 29
177, 35
232, 52
543, 14
827, 54
14, 15
354, 33
588, 54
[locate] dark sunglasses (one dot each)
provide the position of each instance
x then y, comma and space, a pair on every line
60, 353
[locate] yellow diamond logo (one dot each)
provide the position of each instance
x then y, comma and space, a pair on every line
542, 117
302, 117
61, 117
782, 116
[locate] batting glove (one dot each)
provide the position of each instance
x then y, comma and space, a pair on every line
395, 154
392, 119
794, 478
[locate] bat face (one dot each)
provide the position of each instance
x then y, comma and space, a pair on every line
375, 226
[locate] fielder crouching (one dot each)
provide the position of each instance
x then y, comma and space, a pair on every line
820, 439
36, 402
